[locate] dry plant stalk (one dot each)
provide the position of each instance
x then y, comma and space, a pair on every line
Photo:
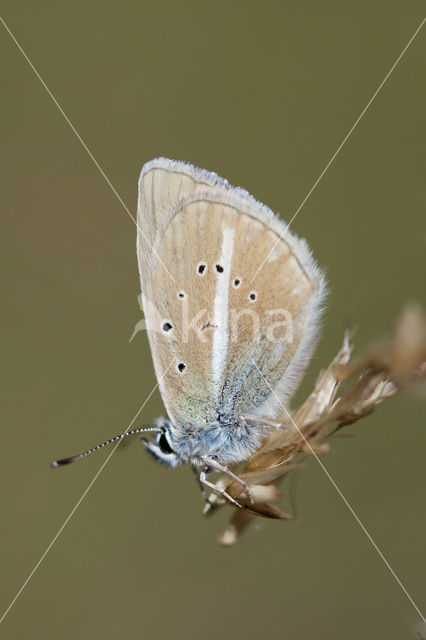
379, 372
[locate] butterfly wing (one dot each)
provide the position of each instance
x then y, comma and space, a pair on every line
228, 338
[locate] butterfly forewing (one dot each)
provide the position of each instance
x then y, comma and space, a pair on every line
224, 344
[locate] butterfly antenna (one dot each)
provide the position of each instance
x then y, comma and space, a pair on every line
64, 461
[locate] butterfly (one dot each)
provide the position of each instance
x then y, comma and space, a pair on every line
232, 303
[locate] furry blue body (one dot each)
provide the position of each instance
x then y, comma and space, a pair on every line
227, 443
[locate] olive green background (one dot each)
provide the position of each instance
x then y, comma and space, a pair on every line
262, 93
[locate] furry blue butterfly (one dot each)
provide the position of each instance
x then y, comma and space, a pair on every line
232, 302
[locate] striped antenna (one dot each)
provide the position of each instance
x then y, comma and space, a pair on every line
64, 461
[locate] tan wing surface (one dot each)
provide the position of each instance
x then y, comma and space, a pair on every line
223, 345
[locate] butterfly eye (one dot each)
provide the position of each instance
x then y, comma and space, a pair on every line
161, 451
164, 444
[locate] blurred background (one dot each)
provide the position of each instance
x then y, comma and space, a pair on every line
263, 94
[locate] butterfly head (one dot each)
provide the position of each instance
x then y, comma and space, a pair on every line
161, 449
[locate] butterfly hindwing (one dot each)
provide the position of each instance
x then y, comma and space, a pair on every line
226, 341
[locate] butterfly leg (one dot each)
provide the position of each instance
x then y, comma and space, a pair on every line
217, 490
216, 466
200, 484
